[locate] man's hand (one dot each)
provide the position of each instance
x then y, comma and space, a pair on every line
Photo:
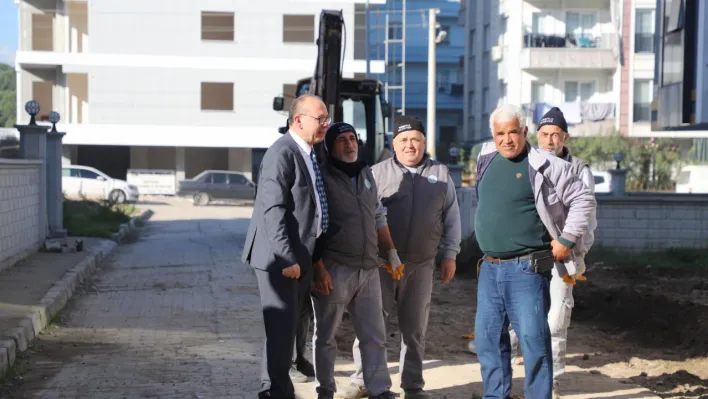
560, 251
394, 260
292, 271
447, 270
323, 281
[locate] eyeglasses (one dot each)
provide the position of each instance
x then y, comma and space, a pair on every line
323, 120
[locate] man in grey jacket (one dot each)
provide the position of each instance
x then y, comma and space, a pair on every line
423, 216
552, 134
532, 212
347, 275
290, 212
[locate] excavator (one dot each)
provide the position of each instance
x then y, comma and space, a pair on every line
356, 101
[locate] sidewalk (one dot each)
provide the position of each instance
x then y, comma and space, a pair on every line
35, 289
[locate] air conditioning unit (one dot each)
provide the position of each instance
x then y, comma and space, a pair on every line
497, 53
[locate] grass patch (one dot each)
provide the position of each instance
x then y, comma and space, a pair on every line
86, 218
670, 258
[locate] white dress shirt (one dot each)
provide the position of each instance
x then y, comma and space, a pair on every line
305, 150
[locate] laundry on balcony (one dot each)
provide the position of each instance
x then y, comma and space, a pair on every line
540, 40
575, 112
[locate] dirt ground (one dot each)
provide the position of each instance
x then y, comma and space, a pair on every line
641, 325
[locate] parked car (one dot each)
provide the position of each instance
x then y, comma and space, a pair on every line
84, 181
217, 185
602, 181
693, 179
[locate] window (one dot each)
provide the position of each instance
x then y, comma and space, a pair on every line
579, 91
217, 26
289, 94
43, 32
485, 100
445, 28
298, 28
580, 25
70, 172
88, 174
218, 178
642, 100
472, 42
359, 31
644, 31
538, 92
395, 31
599, 179
217, 96
236, 179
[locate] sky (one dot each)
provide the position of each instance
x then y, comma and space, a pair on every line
8, 31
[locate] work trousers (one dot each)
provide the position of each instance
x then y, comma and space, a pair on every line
411, 294
562, 303
357, 291
511, 292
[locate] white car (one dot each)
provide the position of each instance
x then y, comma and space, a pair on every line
602, 181
84, 181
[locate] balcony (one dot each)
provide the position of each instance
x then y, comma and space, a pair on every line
63, 31
445, 54
569, 51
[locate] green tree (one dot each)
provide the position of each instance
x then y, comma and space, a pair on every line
8, 104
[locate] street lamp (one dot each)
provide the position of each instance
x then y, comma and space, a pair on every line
54, 118
454, 152
32, 108
619, 157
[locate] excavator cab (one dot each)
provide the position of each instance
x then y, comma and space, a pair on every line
355, 101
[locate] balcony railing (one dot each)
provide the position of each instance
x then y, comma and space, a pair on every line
642, 112
644, 43
588, 111
569, 40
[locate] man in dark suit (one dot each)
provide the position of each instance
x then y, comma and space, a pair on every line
290, 212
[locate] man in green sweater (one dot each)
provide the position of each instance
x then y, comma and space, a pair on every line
531, 212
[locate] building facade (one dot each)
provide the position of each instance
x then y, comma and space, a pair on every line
592, 59
406, 74
184, 87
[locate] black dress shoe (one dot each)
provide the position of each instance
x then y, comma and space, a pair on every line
267, 395
305, 367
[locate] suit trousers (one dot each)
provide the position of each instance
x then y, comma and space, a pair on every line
282, 301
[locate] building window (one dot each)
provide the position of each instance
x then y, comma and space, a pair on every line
445, 28
359, 31
217, 96
579, 91
472, 42
538, 92
580, 25
298, 28
644, 31
289, 94
42, 32
218, 26
642, 100
395, 31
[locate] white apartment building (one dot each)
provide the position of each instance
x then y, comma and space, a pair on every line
183, 85
594, 59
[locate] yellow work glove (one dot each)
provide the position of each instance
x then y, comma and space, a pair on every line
394, 266
469, 336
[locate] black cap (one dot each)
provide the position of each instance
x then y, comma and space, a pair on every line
335, 130
406, 123
553, 117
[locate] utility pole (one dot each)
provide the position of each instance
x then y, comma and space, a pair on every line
432, 90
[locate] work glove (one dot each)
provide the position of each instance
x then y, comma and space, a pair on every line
394, 267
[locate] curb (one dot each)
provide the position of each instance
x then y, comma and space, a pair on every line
17, 339
127, 228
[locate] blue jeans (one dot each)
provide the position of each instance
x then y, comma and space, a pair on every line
511, 292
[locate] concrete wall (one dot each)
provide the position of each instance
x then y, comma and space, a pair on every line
21, 221
636, 221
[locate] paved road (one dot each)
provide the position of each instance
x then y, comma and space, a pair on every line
172, 315
176, 315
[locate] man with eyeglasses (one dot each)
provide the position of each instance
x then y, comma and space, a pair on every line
290, 213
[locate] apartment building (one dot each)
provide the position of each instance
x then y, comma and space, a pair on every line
183, 85
590, 58
407, 72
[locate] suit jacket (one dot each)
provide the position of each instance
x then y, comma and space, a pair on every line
283, 227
